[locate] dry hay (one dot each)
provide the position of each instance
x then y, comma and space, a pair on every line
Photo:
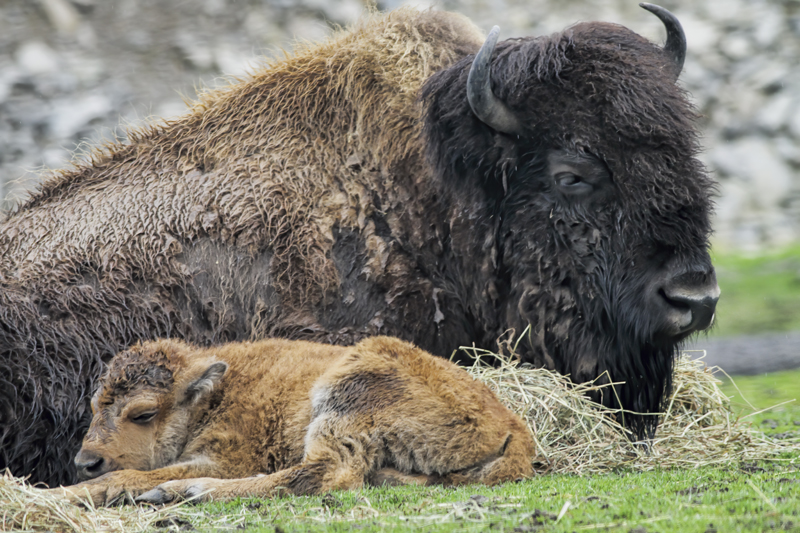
577, 436
573, 435
27, 508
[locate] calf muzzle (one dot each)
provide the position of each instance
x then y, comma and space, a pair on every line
90, 464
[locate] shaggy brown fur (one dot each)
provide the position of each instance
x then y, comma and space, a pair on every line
314, 417
220, 225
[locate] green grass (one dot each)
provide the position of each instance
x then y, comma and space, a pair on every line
751, 394
759, 294
740, 498
737, 497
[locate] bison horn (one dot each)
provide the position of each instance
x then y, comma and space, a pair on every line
486, 106
676, 39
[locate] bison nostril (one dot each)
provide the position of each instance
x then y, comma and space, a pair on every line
693, 309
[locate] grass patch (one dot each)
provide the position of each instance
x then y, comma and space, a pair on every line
741, 497
738, 498
774, 397
759, 294
763, 391
694, 480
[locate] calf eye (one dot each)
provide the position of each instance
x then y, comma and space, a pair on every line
143, 418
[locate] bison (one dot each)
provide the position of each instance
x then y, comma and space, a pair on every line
314, 417
407, 178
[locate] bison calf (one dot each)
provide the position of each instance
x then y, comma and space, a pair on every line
314, 417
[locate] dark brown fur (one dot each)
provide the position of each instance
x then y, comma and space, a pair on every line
314, 417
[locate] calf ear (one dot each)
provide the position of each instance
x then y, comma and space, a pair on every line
205, 383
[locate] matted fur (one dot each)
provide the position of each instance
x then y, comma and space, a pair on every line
219, 225
314, 417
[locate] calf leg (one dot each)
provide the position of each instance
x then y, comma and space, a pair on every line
512, 462
305, 478
347, 452
339, 454
128, 484
392, 477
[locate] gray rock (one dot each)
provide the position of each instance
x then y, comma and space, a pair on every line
750, 354
773, 116
766, 73
71, 117
306, 27
8, 77
170, 109
62, 15
36, 58
55, 157
723, 12
195, 51
789, 150
736, 46
794, 122
231, 61
770, 24
755, 162
340, 11
704, 33
261, 26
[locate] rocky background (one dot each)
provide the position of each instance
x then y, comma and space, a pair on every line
74, 72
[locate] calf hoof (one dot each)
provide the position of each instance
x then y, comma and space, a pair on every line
157, 496
196, 490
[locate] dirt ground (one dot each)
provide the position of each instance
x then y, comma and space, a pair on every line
750, 354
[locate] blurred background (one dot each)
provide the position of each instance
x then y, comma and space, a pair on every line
74, 72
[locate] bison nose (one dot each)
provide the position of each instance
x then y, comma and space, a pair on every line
90, 465
690, 305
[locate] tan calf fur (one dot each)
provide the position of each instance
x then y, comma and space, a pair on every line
314, 417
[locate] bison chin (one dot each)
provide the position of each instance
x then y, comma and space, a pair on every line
646, 372
625, 329
641, 372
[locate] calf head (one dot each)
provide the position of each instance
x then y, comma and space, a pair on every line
147, 403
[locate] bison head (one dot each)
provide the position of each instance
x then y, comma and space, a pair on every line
145, 407
572, 159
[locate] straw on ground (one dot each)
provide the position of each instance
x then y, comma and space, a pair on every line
573, 435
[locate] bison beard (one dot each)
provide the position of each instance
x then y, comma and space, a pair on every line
322, 199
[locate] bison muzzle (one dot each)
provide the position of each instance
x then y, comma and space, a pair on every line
407, 178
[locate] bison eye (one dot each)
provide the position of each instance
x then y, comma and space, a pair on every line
144, 418
566, 179
570, 183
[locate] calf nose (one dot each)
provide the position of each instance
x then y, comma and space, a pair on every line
90, 465
691, 300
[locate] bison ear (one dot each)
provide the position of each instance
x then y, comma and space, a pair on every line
204, 384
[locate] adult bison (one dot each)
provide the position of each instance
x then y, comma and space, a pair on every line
387, 181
